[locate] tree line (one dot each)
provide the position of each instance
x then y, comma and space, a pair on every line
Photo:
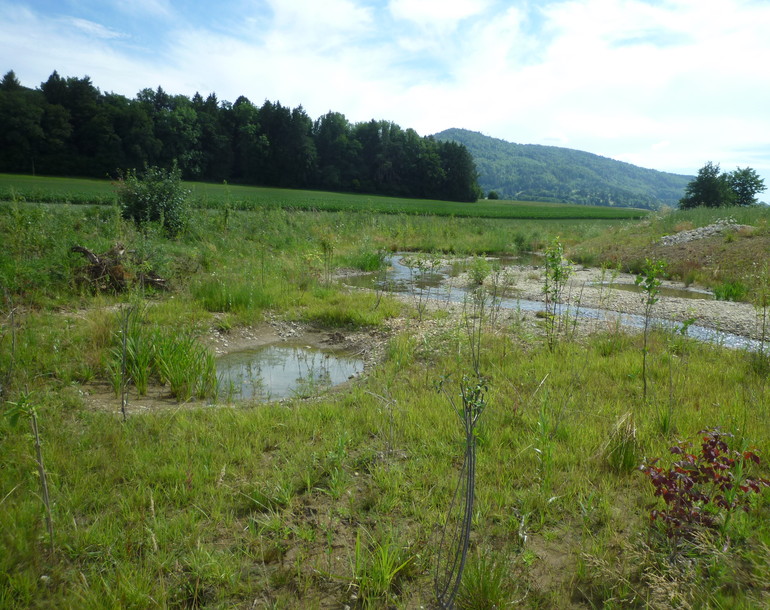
69, 127
712, 188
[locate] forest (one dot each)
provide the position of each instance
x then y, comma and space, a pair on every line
553, 173
68, 127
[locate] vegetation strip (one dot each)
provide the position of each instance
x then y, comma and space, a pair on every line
338, 499
233, 197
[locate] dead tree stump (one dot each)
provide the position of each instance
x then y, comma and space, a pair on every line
107, 271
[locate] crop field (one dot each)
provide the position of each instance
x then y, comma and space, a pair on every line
129, 478
203, 195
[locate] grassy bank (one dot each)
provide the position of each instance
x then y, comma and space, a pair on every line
732, 259
281, 249
340, 500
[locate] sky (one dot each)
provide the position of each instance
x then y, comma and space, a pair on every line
663, 84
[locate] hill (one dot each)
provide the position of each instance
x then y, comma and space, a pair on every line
551, 173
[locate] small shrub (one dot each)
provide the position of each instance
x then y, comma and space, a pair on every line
702, 490
557, 272
155, 196
479, 270
649, 281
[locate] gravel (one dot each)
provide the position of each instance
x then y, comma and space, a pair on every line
584, 288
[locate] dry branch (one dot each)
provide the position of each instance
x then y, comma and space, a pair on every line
108, 271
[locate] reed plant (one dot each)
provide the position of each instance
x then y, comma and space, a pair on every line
144, 353
186, 366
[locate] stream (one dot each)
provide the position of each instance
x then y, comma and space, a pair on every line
435, 283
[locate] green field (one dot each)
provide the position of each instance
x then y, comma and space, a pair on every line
339, 499
72, 190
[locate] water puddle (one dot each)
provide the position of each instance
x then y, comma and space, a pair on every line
277, 371
680, 293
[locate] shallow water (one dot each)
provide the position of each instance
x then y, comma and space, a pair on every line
400, 278
665, 291
284, 370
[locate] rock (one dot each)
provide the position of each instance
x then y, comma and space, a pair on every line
720, 226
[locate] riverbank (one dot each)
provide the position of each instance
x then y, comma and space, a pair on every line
595, 288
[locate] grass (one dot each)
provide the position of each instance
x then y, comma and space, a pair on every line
172, 495
338, 500
723, 262
235, 197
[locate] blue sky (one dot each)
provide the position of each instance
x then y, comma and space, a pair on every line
665, 84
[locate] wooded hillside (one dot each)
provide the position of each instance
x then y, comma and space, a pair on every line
551, 173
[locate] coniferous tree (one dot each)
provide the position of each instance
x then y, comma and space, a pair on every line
69, 127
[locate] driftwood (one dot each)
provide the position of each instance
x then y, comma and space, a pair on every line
107, 271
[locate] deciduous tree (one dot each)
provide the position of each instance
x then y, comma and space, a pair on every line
745, 183
713, 189
710, 189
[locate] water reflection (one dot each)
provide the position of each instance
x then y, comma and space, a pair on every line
284, 370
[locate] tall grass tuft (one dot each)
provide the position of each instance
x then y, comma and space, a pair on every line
730, 291
377, 570
621, 451
232, 295
170, 357
187, 366
486, 583
131, 357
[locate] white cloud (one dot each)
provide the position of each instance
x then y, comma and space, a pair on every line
308, 24
321, 17
432, 12
622, 74
36, 45
90, 28
614, 77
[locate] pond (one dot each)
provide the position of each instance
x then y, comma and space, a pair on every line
284, 370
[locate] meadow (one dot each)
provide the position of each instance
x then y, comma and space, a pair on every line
340, 500
222, 196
